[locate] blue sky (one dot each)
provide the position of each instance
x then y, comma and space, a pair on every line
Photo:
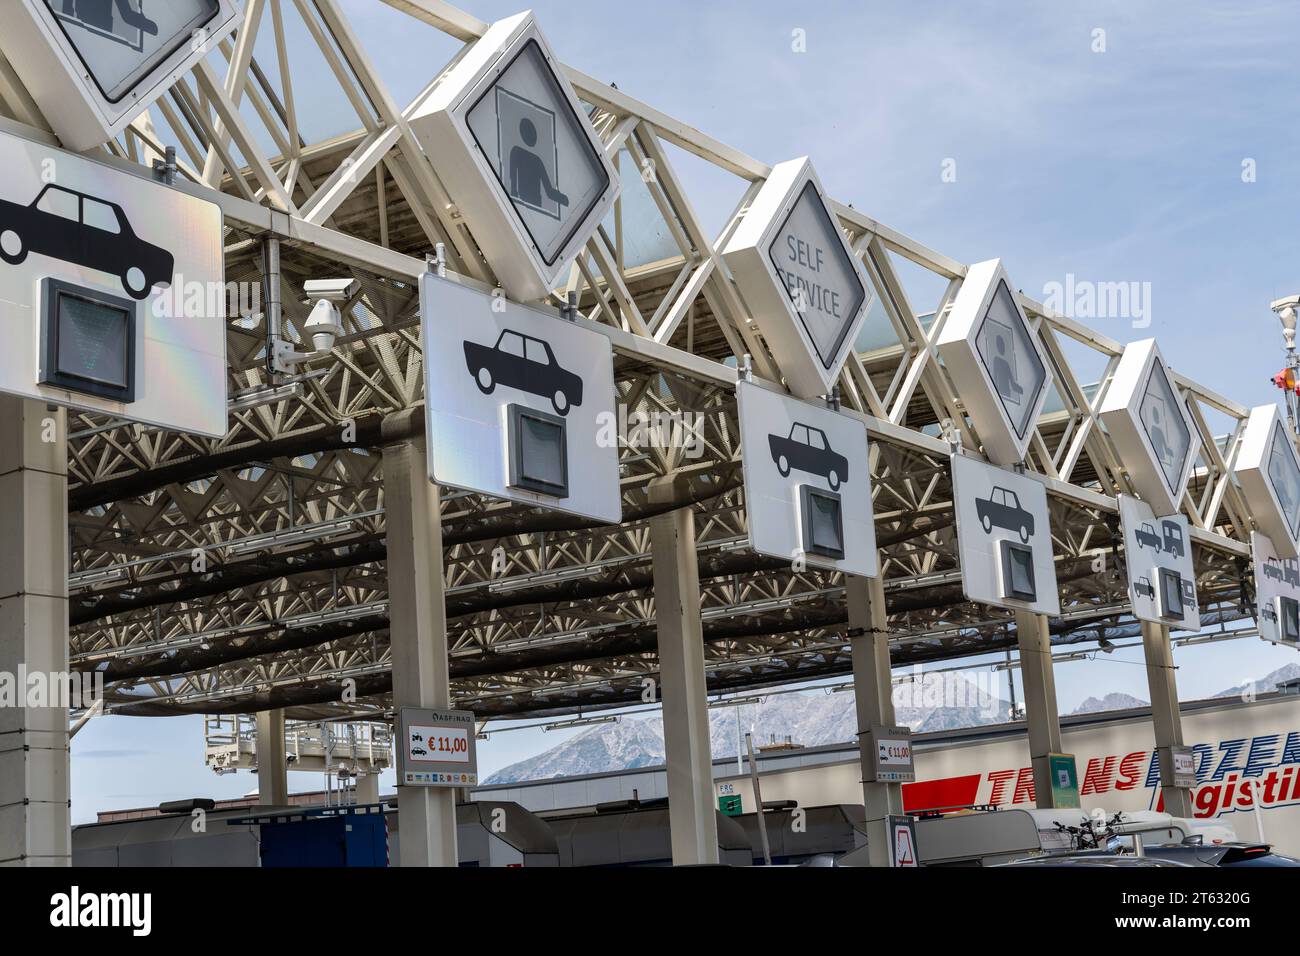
1122, 165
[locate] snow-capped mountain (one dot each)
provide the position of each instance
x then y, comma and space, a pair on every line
630, 743
1265, 684
1112, 701
815, 718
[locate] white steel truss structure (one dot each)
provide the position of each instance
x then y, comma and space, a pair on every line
287, 509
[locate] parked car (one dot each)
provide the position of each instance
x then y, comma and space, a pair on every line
1194, 853
1143, 586
807, 449
526, 363
83, 230
1001, 509
1173, 538
1097, 858
1146, 537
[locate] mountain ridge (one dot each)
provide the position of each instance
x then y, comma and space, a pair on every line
812, 718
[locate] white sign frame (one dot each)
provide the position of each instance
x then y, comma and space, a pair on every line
1121, 414
1177, 766
768, 419
1276, 577
958, 348
1152, 542
893, 756
60, 82
467, 428
1263, 427
441, 123
416, 766
993, 505
180, 377
747, 255
902, 841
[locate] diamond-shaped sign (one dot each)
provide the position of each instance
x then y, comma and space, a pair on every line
1284, 478
1006, 349
95, 65
1151, 427
514, 148
818, 273
805, 289
993, 356
1268, 470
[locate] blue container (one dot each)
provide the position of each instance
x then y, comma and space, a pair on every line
326, 836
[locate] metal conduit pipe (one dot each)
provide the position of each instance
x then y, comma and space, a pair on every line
271, 294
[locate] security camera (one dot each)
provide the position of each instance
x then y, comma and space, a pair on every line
331, 290
1286, 313
324, 325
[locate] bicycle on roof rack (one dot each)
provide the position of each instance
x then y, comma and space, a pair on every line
1093, 834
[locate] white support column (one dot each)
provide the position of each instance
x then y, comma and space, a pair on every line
272, 766
1039, 684
691, 814
367, 788
418, 639
1165, 714
873, 698
34, 795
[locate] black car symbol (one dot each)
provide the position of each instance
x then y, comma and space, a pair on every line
419, 752
1268, 613
1002, 509
1143, 586
1290, 573
1146, 537
1173, 540
807, 449
86, 231
526, 363
1273, 569
416, 738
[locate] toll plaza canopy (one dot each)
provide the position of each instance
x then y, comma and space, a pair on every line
247, 572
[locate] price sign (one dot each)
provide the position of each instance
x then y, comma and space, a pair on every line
436, 748
1177, 766
439, 743
891, 748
